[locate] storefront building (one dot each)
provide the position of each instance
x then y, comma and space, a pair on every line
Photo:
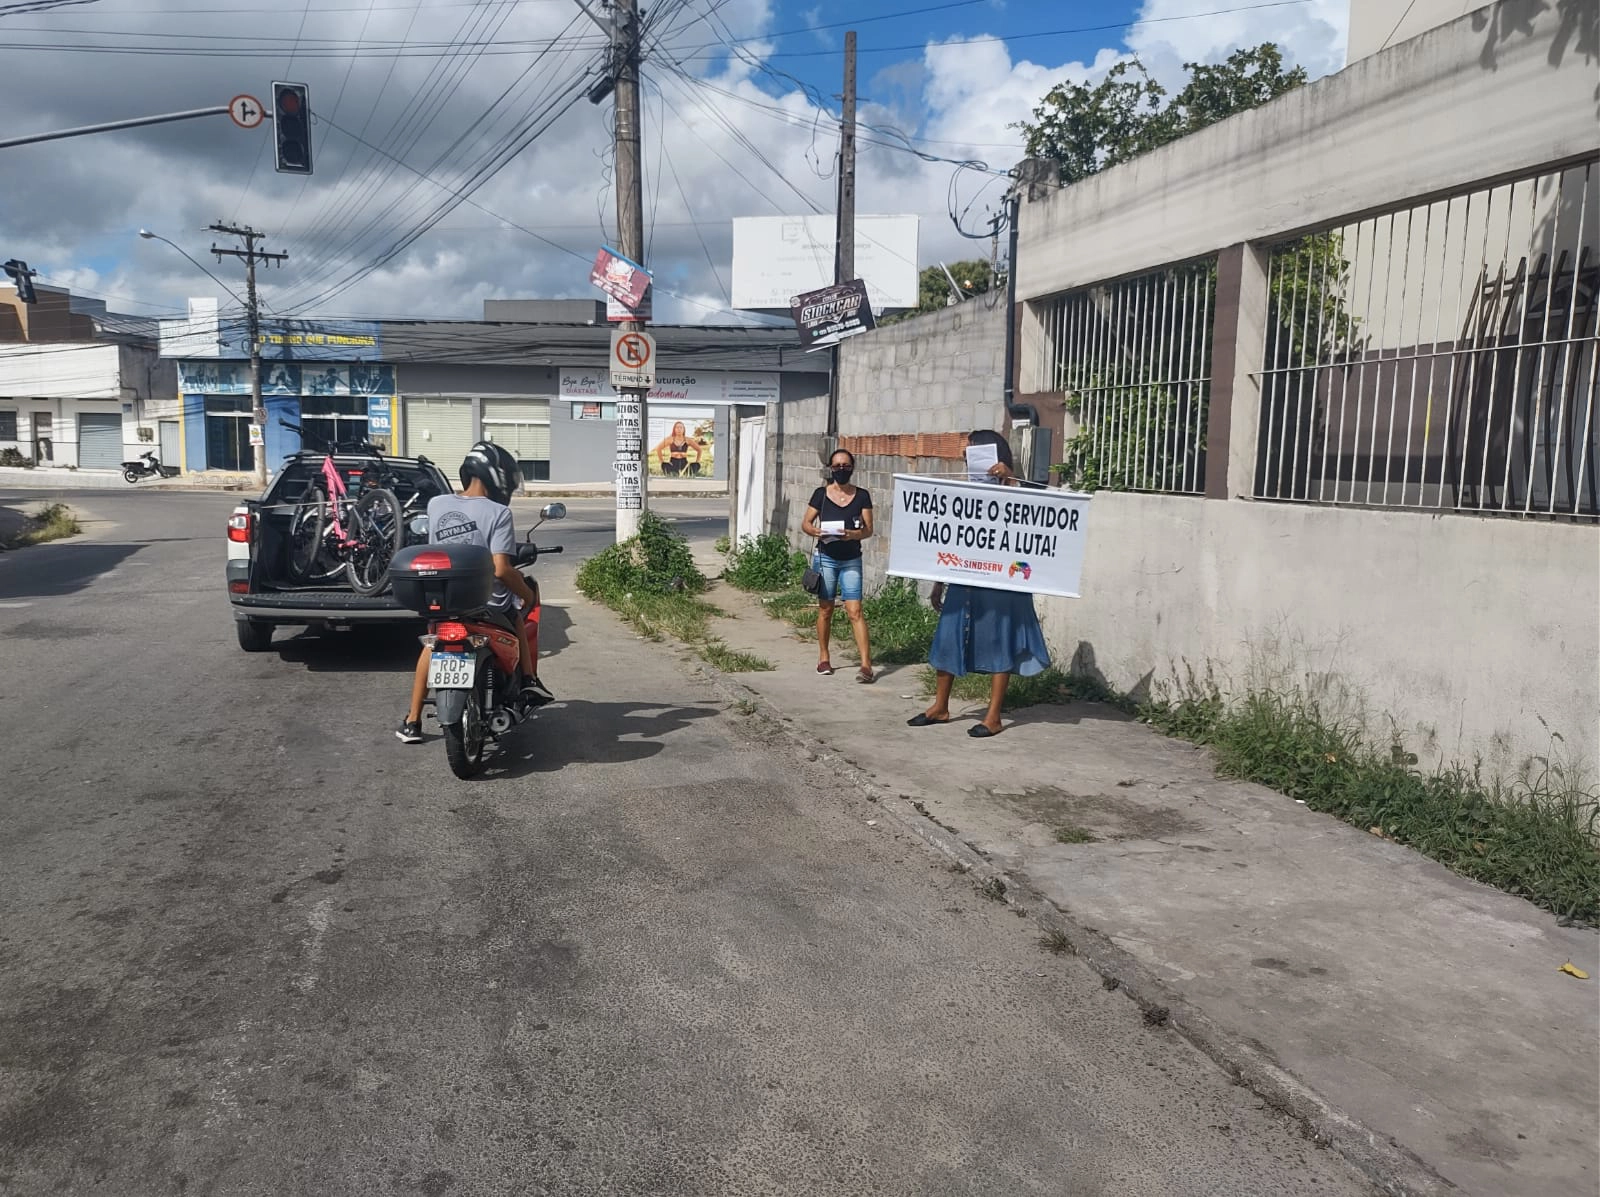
322, 382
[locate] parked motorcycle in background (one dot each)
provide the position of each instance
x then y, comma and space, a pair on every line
148, 466
472, 673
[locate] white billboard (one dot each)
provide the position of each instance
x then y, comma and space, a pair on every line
776, 258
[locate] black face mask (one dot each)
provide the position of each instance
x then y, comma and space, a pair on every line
841, 474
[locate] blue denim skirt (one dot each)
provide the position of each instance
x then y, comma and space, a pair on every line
988, 631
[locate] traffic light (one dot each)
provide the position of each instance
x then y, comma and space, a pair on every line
23, 278
291, 123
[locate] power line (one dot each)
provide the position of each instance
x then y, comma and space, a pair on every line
1397, 25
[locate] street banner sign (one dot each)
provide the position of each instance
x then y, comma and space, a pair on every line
246, 112
980, 534
828, 316
623, 279
379, 418
617, 311
633, 360
629, 465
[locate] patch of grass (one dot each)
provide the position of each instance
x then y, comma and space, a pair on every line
1052, 685
652, 582
765, 563
723, 544
55, 522
899, 623
656, 561
731, 660
1534, 836
1072, 834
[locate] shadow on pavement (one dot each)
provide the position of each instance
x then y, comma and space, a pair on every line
43, 571
360, 650
554, 626
588, 733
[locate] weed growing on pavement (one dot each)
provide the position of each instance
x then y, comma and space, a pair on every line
764, 563
731, 660
1057, 944
53, 523
1534, 836
1071, 834
652, 582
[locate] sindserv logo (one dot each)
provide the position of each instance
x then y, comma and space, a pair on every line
967, 565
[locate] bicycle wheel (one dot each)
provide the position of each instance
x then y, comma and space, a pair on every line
376, 531
306, 527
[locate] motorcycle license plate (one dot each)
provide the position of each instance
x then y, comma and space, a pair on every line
450, 671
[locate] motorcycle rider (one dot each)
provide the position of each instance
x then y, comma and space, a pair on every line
481, 514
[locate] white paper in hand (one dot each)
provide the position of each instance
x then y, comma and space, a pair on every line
980, 460
832, 529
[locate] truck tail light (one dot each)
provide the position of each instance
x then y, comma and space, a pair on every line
240, 525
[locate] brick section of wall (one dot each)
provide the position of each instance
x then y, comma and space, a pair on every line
946, 446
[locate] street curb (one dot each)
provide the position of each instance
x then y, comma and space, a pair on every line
1389, 1165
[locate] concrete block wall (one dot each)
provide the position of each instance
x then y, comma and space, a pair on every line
939, 372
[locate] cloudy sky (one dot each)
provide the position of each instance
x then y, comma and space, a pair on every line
456, 158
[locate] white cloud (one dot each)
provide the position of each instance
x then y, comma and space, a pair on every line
72, 208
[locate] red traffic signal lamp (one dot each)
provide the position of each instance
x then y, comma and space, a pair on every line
291, 125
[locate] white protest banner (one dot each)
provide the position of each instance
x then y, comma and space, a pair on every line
981, 534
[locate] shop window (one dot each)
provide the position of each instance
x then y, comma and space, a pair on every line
228, 433
594, 411
8, 425
332, 419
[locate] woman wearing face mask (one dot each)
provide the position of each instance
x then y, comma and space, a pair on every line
982, 630
840, 517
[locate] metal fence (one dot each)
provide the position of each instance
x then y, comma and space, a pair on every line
1134, 361
1441, 356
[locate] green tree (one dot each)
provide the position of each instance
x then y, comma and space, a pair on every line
1084, 129
975, 277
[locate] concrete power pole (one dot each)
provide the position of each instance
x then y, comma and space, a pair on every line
632, 439
844, 242
250, 255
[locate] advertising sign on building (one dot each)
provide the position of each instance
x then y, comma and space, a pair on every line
980, 534
715, 387
828, 316
380, 419
622, 279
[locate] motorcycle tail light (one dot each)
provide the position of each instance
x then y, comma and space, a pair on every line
477, 640
429, 640
451, 633
239, 527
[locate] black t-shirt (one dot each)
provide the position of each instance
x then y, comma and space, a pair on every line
829, 512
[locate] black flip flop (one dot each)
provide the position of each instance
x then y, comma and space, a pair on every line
920, 719
980, 731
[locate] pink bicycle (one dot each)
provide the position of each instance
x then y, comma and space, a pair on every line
332, 533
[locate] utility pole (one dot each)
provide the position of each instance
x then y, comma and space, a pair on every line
250, 255
844, 241
632, 432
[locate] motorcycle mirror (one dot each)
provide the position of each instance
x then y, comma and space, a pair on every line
553, 511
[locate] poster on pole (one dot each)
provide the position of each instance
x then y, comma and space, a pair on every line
622, 279
828, 316
629, 464
979, 534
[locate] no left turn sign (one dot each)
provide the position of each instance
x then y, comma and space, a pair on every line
246, 111
633, 360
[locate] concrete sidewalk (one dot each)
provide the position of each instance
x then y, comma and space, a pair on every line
1426, 1007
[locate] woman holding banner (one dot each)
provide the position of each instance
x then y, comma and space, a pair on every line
981, 630
840, 517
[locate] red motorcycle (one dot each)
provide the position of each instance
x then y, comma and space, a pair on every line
473, 670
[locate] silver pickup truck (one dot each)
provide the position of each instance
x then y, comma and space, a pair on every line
262, 592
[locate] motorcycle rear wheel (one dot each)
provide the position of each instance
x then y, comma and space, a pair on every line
132, 475
464, 742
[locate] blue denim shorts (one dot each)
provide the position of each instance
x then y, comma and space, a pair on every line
842, 578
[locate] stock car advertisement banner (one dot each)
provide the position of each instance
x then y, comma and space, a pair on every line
980, 534
828, 316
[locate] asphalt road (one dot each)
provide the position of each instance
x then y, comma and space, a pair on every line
251, 944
